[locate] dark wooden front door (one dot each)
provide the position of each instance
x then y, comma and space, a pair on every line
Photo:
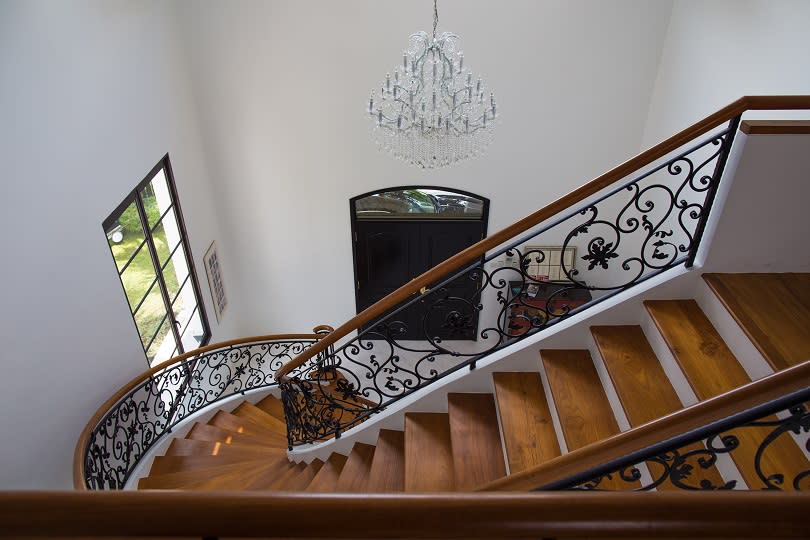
389, 253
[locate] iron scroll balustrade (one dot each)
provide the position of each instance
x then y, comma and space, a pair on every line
641, 228
676, 460
168, 395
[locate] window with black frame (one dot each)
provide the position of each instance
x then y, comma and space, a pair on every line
149, 244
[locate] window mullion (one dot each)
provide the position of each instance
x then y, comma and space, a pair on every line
156, 263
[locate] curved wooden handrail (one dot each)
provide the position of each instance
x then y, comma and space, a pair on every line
179, 514
81, 444
702, 414
747, 103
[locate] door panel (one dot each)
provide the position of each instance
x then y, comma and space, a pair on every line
390, 253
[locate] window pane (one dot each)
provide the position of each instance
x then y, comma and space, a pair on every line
193, 335
419, 203
149, 316
175, 273
156, 198
139, 279
185, 304
163, 344
126, 237
166, 236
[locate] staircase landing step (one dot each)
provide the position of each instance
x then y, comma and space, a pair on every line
428, 453
772, 309
528, 430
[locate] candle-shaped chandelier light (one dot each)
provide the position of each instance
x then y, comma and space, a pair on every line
432, 111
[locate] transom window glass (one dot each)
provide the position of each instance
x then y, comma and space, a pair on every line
419, 203
148, 242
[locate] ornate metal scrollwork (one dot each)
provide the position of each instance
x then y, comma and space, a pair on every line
678, 466
639, 229
133, 425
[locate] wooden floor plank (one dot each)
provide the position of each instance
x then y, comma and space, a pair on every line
230, 476
272, 406
526, 422
711, 369
327, 477
247, 427
772, 309
191, 447
476, 440
170, 464
644, 390
206, 432
428, 453
581, 402
355, 474
304, 478
260, 417
387, 472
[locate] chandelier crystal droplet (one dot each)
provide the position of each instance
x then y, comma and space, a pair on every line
432, 111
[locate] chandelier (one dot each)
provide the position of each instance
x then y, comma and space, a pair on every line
432, 112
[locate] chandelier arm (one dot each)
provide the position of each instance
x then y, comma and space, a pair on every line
435, 17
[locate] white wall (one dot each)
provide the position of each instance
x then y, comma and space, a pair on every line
93, 94
719, 50
283, 87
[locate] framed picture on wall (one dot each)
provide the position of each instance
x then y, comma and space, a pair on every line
552, 267
213, 269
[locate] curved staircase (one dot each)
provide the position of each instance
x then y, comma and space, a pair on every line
484, 437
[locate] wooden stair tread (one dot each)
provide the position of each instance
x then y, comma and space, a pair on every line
248, 427
224, 475
256, 480
476, 440
304, 478
703, 356
258, 416
772, 309
712, 369
387, 472
644, 390
354, 476
583, 407
272, 406
171, 464
192, 447
206, 432
528, 430
428, 453
289, 479
326, 478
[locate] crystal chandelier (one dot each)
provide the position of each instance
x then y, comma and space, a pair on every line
432, 112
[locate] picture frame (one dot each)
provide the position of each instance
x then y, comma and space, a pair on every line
213, 270
551, 268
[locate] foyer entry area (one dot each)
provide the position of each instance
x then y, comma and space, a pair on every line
399, 233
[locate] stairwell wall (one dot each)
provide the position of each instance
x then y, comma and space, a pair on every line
719, 50
93, 95
283, 88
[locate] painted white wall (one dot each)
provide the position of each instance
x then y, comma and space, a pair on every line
93, 95
283, 88
719, 50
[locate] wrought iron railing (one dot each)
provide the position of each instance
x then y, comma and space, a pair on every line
749, 437
132, 422
624, 235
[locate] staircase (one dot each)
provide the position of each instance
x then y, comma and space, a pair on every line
485, 437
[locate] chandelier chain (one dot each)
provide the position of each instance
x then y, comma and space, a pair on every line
435, 17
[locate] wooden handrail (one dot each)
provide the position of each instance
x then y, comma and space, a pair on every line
81, 444
175, 514
702, 414
747, 103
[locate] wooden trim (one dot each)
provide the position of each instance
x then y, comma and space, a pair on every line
163, 514
775, 127
756, 393
81, 444
478, 250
